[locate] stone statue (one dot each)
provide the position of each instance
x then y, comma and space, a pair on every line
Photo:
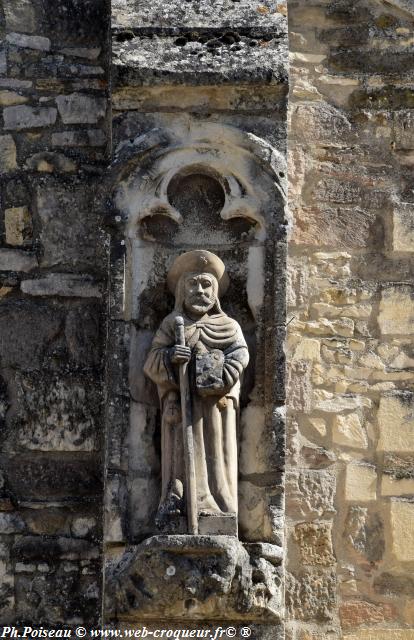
204, 367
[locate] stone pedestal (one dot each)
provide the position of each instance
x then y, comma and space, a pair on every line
196, 578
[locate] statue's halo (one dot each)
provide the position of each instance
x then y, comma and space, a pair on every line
200, 261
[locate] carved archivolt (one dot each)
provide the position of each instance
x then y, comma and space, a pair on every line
249, 171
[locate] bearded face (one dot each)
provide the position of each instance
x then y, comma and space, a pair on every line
199, 296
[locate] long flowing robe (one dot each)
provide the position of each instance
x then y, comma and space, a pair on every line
214, 417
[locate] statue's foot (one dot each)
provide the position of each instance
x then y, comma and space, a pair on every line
209, 507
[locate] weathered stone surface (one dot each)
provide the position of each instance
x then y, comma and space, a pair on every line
15, 260
34, 478
364, 532
77, 243
202, 576
57, 414
348, 431
29, 42
219, 62
9, 98
402, 530
20, 15
31, 548
394, 584
28, 333
311, 595
18, 226
403, 227
299, 389
314, 540
79, 138
7, 154
360, 483
25, 117
355, 613
67, 593
11, 523
310, 493
81, 108
83, 335
333, 403
226, 13
260, 512
62, 284
396, 312
390, 486
395, 421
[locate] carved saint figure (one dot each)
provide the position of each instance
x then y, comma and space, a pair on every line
217, 354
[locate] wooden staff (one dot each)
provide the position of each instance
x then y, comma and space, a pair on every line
188, 440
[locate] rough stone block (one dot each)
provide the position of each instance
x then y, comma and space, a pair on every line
343, 227
81, 138
28, 332
232, 589
402, 530
35, 478
67, 593
355, 613
260, 513
15, 260
78, 108
57, 414
314, 541
396, 311
18, 226
310, 494
404, 129
239, 63
25, 117
76, 243
7, 154
347, 431
360, 483
226, 13
20, 15
394, 584
9, 98
393, 487
364, 533
259, 442
299, 388
403, 228
395, 422
28, 42
311, 595
62, 284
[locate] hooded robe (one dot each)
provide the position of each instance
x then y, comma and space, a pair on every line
214, 416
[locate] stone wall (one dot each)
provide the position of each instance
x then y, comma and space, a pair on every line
350, 510
350, 480
53, 149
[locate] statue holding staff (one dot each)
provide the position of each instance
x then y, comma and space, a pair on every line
215, 354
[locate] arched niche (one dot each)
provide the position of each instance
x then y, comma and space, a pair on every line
168, 191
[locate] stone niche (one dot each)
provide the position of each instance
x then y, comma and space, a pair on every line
172, 190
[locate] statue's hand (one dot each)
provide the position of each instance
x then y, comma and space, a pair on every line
180, 354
